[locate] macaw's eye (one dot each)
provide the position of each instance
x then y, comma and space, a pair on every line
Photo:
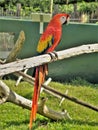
63, 19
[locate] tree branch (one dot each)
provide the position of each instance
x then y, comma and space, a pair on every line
57, 93
7, 95
18, 45
46, 58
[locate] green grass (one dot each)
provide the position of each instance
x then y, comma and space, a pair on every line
13, 117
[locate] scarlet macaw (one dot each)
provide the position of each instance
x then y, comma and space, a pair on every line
47, 43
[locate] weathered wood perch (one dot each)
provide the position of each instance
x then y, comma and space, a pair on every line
46, 58
17, 47
20, 78
7, 95
58, 94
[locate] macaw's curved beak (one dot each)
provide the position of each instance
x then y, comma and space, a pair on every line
67, 20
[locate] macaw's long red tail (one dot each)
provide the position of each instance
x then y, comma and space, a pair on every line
40, 73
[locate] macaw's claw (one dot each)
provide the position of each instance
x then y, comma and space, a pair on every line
53, 55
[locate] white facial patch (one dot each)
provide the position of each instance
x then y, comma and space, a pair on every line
63, 19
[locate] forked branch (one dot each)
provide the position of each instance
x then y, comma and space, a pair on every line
7, 95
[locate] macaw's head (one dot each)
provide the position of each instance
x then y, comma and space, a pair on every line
62, 18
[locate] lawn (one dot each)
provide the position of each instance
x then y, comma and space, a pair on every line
13, 117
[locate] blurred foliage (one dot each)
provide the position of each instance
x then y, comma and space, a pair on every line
44, 6
28, 5
72, 1
82, 7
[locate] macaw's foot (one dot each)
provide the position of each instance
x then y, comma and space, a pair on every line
53, 55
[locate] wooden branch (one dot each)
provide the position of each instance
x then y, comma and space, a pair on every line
20, 77
31, 80
18, 45
73, 99
45, 83
7, 95
4, 92
63, 98
46, 58
59, 94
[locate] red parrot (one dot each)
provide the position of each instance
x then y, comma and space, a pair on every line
47, 43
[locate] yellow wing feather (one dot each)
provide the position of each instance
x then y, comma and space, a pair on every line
44, 43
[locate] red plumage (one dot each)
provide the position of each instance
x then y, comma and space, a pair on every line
47, 43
